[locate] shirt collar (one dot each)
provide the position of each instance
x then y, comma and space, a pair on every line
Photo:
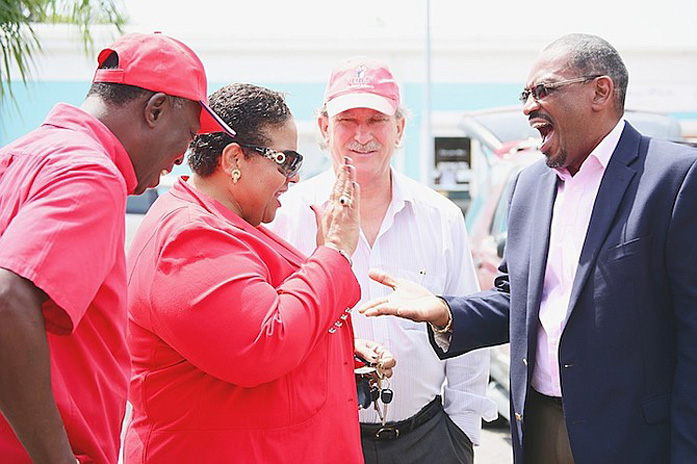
401, 194
601, 153
76, 119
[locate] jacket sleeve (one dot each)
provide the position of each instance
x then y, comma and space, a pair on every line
681, 258
225, 316
479, 320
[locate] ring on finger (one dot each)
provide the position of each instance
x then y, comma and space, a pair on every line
344, 200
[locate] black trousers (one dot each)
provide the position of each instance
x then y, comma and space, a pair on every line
438, 440
546, 439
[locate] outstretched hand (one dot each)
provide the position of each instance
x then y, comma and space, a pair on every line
409, 300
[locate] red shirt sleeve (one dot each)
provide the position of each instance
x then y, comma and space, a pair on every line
214, 300
63, 236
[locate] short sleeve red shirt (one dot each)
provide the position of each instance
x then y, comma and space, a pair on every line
63, 191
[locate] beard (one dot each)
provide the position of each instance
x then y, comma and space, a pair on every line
558, 161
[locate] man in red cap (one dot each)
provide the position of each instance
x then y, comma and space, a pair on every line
435, 411
63, 360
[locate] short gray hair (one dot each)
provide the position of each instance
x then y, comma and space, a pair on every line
591, 55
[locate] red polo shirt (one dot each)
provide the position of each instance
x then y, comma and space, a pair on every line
63, 193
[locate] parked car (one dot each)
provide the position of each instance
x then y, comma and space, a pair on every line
506, 144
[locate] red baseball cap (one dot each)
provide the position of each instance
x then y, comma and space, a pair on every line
361, 82
160, 63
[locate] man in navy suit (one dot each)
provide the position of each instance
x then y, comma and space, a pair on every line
597, 291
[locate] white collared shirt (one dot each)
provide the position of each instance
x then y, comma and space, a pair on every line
570, 219
422, 238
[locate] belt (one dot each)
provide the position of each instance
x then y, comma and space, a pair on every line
555, 400
394, 430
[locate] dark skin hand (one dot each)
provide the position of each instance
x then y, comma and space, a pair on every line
26, 398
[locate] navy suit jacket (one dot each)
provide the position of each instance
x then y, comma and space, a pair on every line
628, 352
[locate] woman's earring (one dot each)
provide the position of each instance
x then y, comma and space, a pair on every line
236, 174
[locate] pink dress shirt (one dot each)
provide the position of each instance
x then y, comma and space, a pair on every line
572, 212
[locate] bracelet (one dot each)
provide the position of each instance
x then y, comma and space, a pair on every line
340, 251
449, 325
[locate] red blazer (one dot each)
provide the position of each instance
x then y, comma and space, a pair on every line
241, 347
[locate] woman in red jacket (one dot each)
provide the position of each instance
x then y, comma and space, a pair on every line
242, 348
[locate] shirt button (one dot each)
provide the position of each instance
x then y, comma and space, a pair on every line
518, 416
338, 324
525, 361
332, 330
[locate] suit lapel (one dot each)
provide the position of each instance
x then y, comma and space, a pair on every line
612, 188
539, 247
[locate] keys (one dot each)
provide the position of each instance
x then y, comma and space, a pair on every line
383, 395
381, 413
386, 395
374, 393
373, 386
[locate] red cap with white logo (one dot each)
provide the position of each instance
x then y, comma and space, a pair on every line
160, 63
362, 82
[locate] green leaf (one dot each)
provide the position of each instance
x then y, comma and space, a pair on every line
20, 44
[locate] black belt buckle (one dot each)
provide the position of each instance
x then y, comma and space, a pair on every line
387, 433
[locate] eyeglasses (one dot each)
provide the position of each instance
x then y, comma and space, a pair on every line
288, 161
540, 91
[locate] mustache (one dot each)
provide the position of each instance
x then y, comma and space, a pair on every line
539, 115
370, 146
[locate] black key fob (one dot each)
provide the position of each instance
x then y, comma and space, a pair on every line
386, 395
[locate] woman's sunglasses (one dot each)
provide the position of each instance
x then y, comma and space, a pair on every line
289, 161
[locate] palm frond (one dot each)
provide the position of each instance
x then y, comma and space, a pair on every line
18, 39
